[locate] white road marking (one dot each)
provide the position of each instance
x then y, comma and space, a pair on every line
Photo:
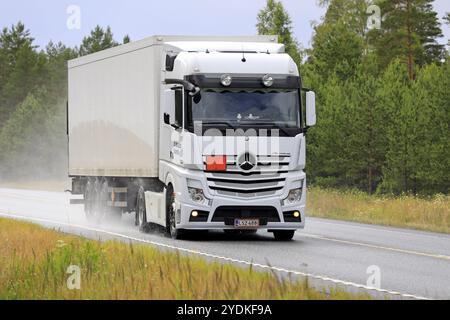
384, 228
228, 259
417, 253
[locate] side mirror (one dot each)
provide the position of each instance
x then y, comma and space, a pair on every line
310, 108
197, 98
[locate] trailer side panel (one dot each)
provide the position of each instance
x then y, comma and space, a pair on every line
113, 115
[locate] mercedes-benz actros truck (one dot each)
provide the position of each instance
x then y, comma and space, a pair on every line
191, 133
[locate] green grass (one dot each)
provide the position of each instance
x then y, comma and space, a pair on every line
34, 261
432, 214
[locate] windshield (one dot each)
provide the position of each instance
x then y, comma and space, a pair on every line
252, 108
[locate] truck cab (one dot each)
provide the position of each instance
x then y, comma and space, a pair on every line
233, 138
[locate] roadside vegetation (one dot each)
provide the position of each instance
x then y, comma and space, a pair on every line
429, 214
34, 262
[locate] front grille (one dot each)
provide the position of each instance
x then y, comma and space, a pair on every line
266, 179
269, 214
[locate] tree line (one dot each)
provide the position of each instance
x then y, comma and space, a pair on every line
383, 101
33, 95
383, 95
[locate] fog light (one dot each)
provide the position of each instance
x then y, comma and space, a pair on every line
194, 214
296, 214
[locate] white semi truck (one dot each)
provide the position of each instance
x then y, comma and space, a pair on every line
191, 133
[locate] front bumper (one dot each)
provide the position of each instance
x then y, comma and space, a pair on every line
185, 205
187, 208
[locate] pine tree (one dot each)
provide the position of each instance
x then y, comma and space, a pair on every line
126, 39
417, 159
327, 141
432, 100
23, 68
57, 57
400, 116
336, 49
274, 20
409, 31
98, 40
347, 147
14, 39
366, 141
16, 132
351, 13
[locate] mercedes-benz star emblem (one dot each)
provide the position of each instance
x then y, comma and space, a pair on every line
247, 161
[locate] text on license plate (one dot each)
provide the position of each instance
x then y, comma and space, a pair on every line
246, 223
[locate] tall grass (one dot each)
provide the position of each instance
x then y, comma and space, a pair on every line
34, 261
430, 214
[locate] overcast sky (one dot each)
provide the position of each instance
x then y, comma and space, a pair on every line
47, 19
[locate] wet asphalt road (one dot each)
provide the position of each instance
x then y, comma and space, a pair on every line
407, 263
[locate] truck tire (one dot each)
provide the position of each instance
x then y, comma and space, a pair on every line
284, 235
171, 229
141, 211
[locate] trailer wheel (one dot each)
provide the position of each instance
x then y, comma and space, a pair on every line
283, 235
101, 200
141, 211
171, 228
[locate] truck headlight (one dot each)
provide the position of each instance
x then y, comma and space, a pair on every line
226, 80
294, 196
198, 196
267, 80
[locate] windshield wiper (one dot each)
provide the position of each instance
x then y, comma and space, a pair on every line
273, 125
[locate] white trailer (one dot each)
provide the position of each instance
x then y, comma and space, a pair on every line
191, 133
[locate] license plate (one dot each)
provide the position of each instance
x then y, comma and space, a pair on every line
246, 223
